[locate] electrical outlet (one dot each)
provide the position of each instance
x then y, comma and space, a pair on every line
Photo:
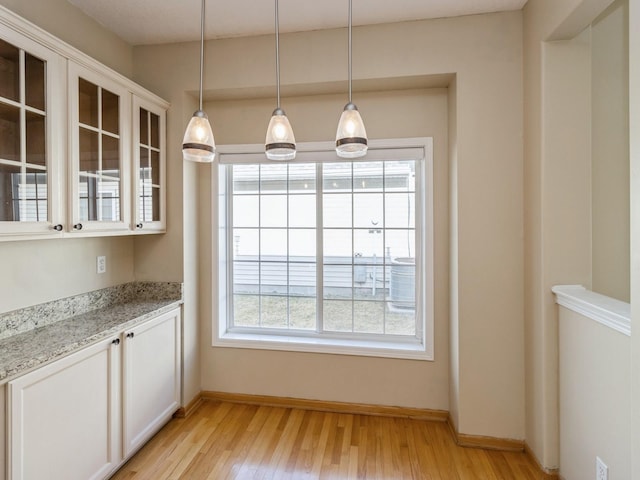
101, 264
602, 471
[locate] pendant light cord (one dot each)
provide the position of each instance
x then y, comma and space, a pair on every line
201, 51
277, 55
350, 62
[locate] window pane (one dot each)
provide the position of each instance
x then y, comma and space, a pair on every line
246, 243
400, 243
302, 211
302, 313
368, 176
88, 151
273, 178
155, 168
273, 211
400, 210
400, 321
302, 279
36, 154
245, 178
337, 246
23, 198
246, 310
338, 281
336, 177
155, 130
273, 278
368, 211
111, 156
338, 316
302, 245
402, 283
302, 178
368, 243
336, 210
10, 71
400, 176
273, 243
144, 127
9, 132
273, 311
110, 112
34, 82
246, 211
10, 179
368, 317
246, 277
88, 102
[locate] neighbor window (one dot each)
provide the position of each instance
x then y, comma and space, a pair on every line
325, 254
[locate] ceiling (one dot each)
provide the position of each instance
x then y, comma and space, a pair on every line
141, 22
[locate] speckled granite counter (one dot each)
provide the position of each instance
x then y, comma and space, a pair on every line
36, 335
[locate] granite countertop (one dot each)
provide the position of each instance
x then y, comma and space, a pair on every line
120, 308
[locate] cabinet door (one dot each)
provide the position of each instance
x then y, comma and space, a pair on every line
151, 381
64, 418
149, 166
31, 137
99, 125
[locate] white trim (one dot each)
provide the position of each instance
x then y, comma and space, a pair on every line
386, 347
363, 348
608, 311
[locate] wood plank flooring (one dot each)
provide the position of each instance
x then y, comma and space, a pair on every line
235, 441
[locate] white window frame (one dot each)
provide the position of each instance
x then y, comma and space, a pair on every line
421, 349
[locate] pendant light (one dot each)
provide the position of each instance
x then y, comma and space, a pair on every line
280, 143
351, 137
198, 144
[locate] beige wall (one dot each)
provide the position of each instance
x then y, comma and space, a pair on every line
69, 23
634, 142
39, 271
610, 151
557, 194
380, 381
595, 398
485, 53
42, 270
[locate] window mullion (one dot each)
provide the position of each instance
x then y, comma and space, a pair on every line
319, 250
228, 172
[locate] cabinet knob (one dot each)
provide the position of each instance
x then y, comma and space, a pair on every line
57, 228
77, 226
116, 341
138, 225
130, 335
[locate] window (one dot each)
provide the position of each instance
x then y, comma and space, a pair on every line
325, 254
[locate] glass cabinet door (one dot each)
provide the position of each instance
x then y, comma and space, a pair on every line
28, 145
99, 123
149, 166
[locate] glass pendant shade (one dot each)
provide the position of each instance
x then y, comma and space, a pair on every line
351, 137
198, 144
280, 143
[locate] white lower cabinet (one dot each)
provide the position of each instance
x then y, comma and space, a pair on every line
81, 417
64, 418
151, 378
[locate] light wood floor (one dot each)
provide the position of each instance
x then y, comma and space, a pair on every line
234, 441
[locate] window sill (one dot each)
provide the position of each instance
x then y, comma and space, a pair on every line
331, 346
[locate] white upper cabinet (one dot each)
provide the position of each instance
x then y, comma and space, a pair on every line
99, 127
31, 139
82, 148
149, 166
